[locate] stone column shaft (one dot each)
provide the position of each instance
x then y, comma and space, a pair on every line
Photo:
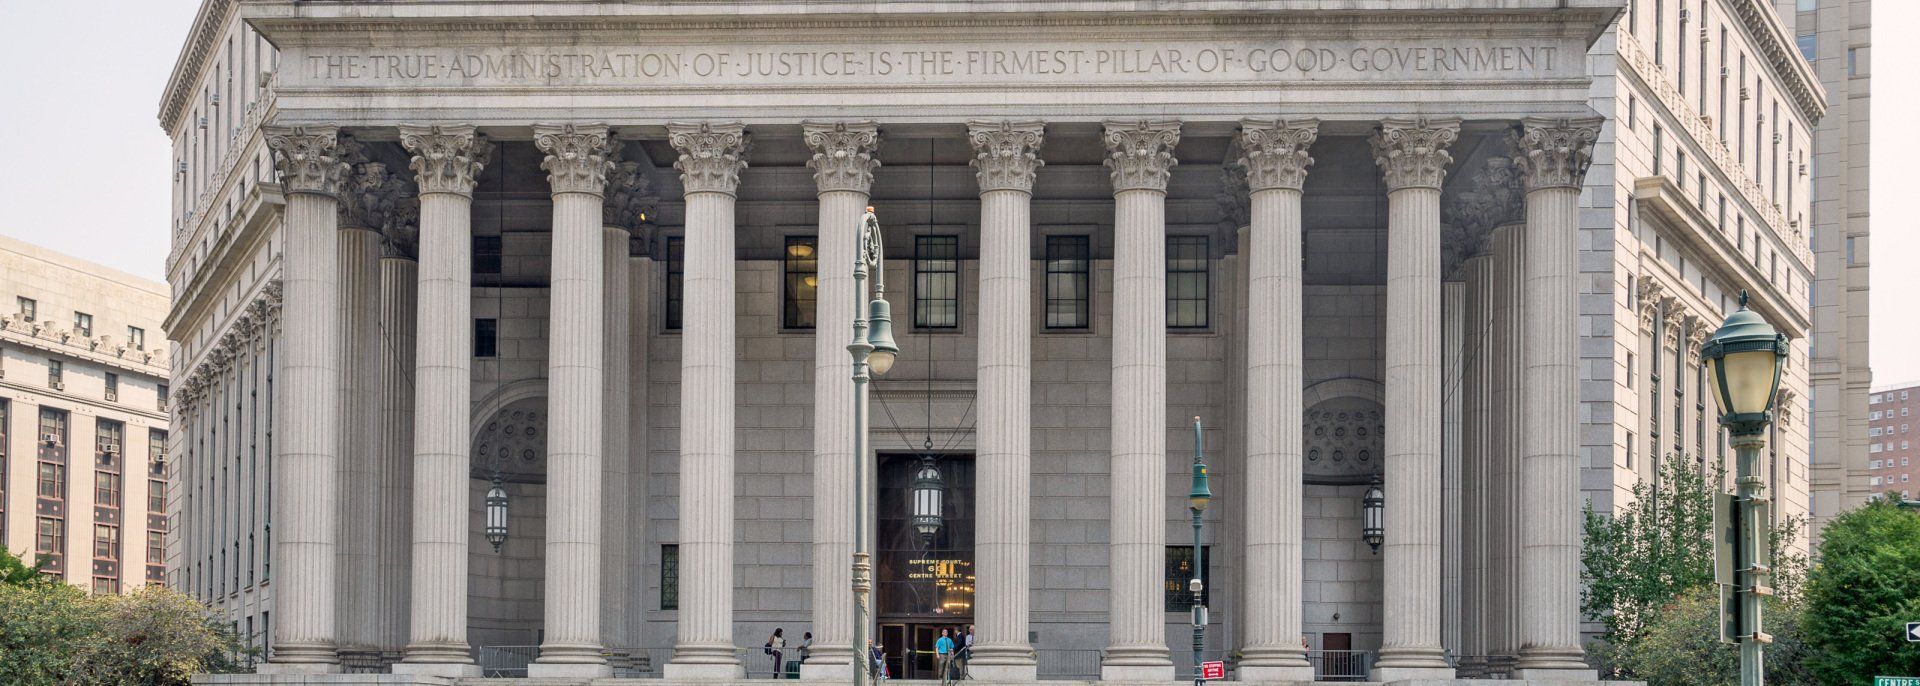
577, 166
711, 158
446, 162
1005, 164
307, 474
1553, 157
618, 498
1413, 158
843, 167
640, 276
1276, 160
1509, 323
358, 508
1140, 154
1474, 472
1452, 336
399, 286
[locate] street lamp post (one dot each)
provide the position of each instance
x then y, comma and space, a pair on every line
1197, 499
873, 350
1745, 357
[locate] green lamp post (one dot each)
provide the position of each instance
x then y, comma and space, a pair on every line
1197, 499
873, 353
1745, 358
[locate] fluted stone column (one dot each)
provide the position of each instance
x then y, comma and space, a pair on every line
712, 156
1474, 469
399, 287
307, 471
1413, 159
1274, 154
367, 201
1508, 401
843, 165
639, 312
1005, 160
1552, 156
1453, 296
446, 163
1139, 157
623, 205
576, 164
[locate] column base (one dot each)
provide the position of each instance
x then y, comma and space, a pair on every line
1302, 672
1556, 674
1410, 674
570, 670
447, 669
298, 668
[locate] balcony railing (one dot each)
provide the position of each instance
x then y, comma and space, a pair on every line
1340, 665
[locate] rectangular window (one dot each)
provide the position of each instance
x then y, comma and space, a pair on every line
1853, 62
1807, 43
53, 480
486, 338
83, 324
1659, 142
1849, 250
156, 496
1180, 574
113, 387
802, 282
156, 547
670, 577
676, 281
1633, 460
106, 489
1069, 282
1680, 169
1700, 189
936, 282
105, 585
1632, 364
486, 254
106, 542
1188, 289
56, 374
28, 308
51, 537
1633, 111
136, 338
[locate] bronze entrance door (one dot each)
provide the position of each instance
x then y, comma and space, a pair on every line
924, 556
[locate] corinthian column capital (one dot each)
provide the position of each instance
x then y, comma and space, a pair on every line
1274, 153
626, 196
1006, 153
1554, 153
371, 197
576, 160
307, 158
842, 154
1140, 153
1413, 153
711, 155
446, 159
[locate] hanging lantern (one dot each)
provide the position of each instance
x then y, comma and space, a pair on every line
1373, 509
928, 492
497, 514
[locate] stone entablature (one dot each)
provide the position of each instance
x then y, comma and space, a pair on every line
260, 314
105, 350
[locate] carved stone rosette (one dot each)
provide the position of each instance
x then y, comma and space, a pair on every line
711, 155
446, 159
307, 159
1006, 153
1554, 153
1274, 153
842, 154
576, 160
371, 197
1413, 153
626, 195
1140, 153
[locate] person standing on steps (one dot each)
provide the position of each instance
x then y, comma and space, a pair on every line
776, 646
943, 654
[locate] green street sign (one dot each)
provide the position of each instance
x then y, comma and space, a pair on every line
1896, 681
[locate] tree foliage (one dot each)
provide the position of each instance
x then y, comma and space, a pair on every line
14, 572
1680, 644
1861, 594
54, 633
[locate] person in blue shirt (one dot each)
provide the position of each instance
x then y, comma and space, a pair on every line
943, 652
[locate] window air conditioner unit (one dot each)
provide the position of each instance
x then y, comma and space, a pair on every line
215, 97
106, 448
203, 123
58, 385
1776, 137
113, 397
1724, 72
50, 439
1684, 14
1744, 95
183, 167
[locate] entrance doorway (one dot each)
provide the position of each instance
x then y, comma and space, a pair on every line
925, 573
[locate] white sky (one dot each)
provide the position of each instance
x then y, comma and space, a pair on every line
85, 169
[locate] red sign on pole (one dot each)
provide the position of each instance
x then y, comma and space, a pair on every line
1213, 670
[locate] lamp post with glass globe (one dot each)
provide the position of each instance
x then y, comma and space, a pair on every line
873, 353
1745, 358
1197, 499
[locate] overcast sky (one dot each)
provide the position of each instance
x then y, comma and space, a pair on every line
86, 165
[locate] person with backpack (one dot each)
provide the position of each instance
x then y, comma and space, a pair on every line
776, 646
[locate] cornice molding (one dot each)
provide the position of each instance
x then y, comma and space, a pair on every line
102, 349
260, 316
193, 56
1784, 56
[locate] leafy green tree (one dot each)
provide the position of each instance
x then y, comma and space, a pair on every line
54, 633
1680, 645
14, 572
1861, 594
43, 627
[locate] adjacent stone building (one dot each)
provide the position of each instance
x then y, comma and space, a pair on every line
1890, 449
601, 256
83, 419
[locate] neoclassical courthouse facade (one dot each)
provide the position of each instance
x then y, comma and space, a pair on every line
601, 254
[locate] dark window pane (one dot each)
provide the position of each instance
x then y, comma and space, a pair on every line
1188, 283
1180, 572
670, 577
486, 337
936, 292
799, 298
486, 254
676, 280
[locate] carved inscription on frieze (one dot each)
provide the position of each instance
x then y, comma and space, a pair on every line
616, 65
